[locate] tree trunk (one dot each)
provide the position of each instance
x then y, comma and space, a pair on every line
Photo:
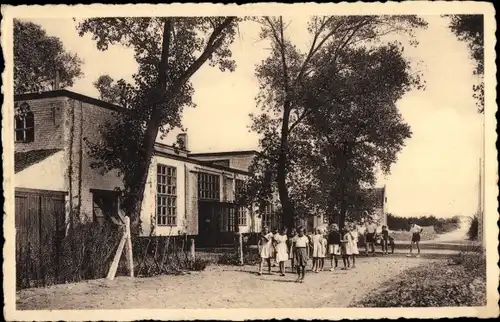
343, 211
288, 211
137, 189
153, 126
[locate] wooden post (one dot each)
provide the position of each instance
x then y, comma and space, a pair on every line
116, 260
128, 248
193, 255
240, 242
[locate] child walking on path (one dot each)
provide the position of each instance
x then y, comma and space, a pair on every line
354, 244
316, 249
281, 250
265, 249
334, 246
322, 253
385, 240
300, 255
291, 249
346, 248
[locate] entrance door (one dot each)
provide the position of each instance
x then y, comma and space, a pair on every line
207, 224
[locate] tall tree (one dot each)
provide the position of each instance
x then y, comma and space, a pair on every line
282, 75
169, 51
470, 29
38, 56
355, 123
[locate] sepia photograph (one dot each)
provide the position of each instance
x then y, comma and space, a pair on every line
266, 158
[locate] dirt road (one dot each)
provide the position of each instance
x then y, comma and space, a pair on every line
223, 287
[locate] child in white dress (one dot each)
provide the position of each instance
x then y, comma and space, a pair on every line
346, 247
316, 249
281, 249
322, 253
265, 249
354, 245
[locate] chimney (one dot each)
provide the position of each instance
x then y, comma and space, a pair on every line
57, 81
182, 140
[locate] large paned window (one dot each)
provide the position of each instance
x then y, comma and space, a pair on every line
208, 186
166, 196
227, 219
269, 217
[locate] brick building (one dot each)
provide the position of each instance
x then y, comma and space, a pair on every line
186, 193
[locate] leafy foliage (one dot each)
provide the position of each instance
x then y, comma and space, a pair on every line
470, 29
168, 50
473, 231
111, 92
307, 97
440, 224
38, 56
436, 285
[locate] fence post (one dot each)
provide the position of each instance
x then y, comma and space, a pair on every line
240, 242
193, 255
116, 260
128, 249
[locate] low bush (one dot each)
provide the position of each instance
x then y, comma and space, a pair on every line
162, 255
459, 282
473, 231
85, 252
441, 225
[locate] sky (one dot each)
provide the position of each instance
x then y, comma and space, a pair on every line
436, 172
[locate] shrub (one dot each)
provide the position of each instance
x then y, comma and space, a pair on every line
435, 285
161, 255
85, 252
199, 264
473, 228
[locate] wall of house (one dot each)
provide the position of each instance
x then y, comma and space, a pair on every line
149, 203
46, 175
49, 124
84, 122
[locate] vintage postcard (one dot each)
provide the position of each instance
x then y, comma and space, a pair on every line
210, 161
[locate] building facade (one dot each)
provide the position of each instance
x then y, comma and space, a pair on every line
185, 193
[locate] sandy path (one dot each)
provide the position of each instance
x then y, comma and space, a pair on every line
222, 287
459, 234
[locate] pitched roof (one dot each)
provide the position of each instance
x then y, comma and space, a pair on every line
23, 160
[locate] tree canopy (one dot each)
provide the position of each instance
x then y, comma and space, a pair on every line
470, 29
169, 51
289, 82
38, 56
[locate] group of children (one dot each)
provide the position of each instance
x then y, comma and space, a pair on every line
300, 247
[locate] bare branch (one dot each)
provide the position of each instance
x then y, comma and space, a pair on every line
212, 44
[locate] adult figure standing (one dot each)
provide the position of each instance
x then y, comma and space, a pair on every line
370, 231
415, 230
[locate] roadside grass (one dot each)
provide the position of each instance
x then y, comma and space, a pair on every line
459, 281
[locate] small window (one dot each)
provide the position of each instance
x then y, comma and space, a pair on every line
105, 205
24, 127
238, 187
242, 216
